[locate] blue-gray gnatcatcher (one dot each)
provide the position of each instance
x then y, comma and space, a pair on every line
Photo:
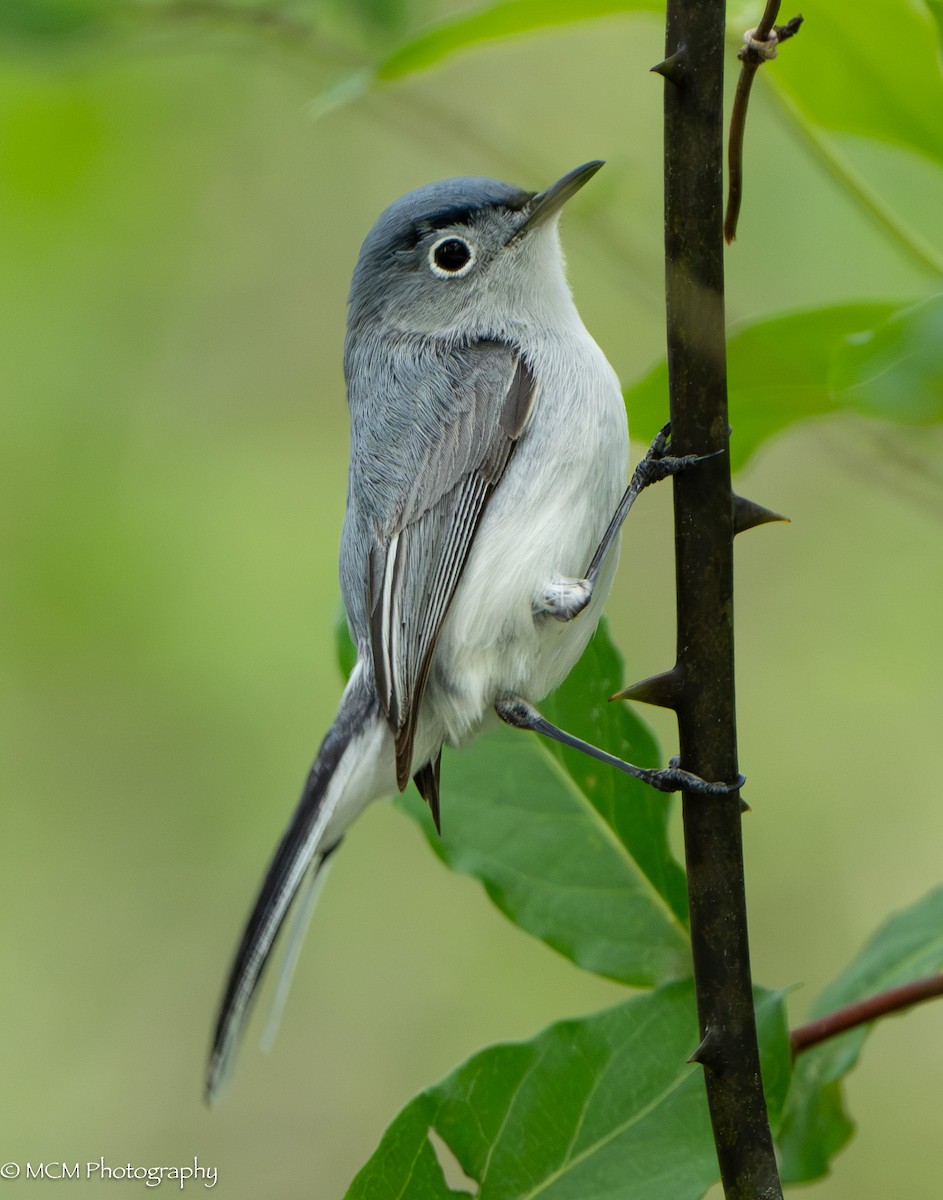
488, 456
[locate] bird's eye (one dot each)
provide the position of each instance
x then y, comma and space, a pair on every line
451, 256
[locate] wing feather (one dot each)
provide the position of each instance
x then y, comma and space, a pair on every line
431, 504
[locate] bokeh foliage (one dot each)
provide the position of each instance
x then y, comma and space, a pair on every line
176, 240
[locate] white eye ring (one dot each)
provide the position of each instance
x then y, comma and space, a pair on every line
439, 254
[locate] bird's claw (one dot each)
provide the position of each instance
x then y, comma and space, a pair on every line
673, 779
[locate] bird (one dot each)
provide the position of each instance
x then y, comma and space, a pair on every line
486, 491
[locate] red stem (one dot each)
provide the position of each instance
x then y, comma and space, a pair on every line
863, 1011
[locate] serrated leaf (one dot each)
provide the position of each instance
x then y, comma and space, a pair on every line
895, 369
889, 43
815, 1125
780, 371
601, 1108
579, 860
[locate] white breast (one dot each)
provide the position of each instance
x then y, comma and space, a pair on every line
544, 521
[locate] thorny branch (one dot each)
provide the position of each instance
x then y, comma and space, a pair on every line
704, 531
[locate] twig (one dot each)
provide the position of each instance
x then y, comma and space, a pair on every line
759, 46
862, 1011
704, 532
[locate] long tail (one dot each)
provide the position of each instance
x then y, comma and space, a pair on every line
353, 766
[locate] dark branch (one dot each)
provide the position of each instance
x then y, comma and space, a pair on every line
759, 46
704, 531
894, 1000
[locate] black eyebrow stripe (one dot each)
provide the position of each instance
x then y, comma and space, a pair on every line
457, 214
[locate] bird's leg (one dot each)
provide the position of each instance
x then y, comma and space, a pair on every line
565, 598
517, 712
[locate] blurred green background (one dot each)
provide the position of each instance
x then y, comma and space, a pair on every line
176, 238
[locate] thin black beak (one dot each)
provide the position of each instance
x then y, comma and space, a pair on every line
553, 198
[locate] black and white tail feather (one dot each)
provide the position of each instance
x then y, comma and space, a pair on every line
304, 849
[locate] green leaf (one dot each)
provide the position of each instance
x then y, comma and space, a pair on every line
344, 646
638, 813
889, 43
579, 860
493, 21
464, 31
592, 1109
772, 1028
556, 838
895, 370
780, 371
815, 1126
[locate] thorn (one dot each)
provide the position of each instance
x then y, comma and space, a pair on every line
703, 1054
673, 67
747, 514
663, 690
744, 807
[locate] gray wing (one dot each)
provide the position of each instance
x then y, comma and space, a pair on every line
432, 434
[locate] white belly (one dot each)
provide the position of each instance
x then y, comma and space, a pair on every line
544, 521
